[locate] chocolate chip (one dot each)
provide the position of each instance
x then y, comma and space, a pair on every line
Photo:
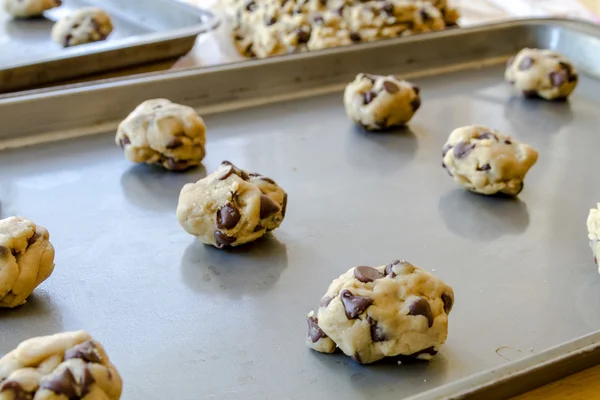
355, 37
530, 93
507, 141
267, 206
223, 240
19, 393
124, 141
270, 20
174, 143
448, 303
558, 78
228, 216
86, 351
445, 150
258, 228
486, 135
573, 77
340, 11
484, 167
33, 239
325, 301
4, 252
318, 19
323, 2
251, 6
425, 15
377, 334
314, 331
87, 380
421, 307
259, 176
67, 40
525, 63
237, 36
177, 165
462, 149
354, 305
369, 96
356, 357
303, 36
416, 89
391, 269
367, 274
416, 103
388, 8
430, 350
62, 384
284, 205
233, 170
510, 61
390, 87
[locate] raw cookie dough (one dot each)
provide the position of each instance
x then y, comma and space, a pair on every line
29, 8
485, 161
378, 102
231, 207
270, 27
68, 365
85, 25
387, 311
542, 73
593, 225
163, 133
26, 260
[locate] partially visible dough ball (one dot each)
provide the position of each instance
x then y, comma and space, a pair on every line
163, 133
387, 311
231, 207
70, 365
86, 25
542, 73
378, 102
26, 259
593, 225
485, 161
29, 8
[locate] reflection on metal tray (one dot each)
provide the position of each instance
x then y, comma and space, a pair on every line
146, 31
230, 324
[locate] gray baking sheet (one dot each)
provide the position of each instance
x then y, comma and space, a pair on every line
180, 319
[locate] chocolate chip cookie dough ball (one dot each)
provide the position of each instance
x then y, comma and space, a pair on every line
26, 259
231, 207
387, 311
68, 365
163, 133
29, 8
593, 225
86, 25
378, 102
542, 73
485, 161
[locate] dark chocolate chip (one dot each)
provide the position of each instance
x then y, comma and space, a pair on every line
416, 89
377, 334
356, 357
87, 380
177, 165
354, 305
425, 15
230, 171
367, 274
223, 240
530, 93
67, 40
369, 96
389, 269
525, 63
558, 78
124, 141
416, 103
284, 205
355, 37
323, 2
62, 384
445, 150
388, 8
303, 36
85, 351
507, 141
462, 149
258, 228
325, 301
267, 206
33, 239
340, 11
228, 216
19, 393
264, 178
314, 331
251, 6
510, 61
421, 307
448, 303
4, 252
484, 167
430, 350
233, 170
486, 135
270, 20
390, 87
174, 143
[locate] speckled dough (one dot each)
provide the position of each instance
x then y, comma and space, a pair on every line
387, 311
593, 225
485, 161
68, 365
29, 8
163, 133
542, 73
26, 259
378, 102
85, 25
270, 27
231, 207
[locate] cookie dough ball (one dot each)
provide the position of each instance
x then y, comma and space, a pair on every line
29, 8
485, 161
68, 365
231, 207
86, 25
163, 133
378, 102
26, 259
387, 311
542, 73
593, 225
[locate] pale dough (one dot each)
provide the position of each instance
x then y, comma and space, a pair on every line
85, 25
29, 8
26, 259
593, 225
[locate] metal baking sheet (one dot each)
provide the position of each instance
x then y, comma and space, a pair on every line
185, 320
145, 31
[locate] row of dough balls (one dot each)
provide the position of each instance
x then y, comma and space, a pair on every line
85, 25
